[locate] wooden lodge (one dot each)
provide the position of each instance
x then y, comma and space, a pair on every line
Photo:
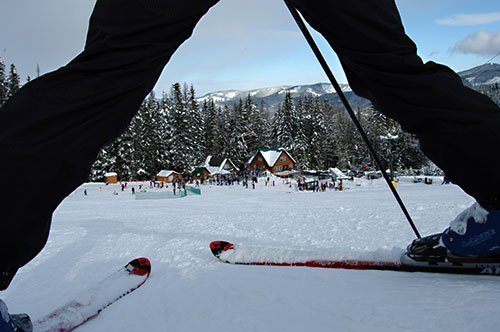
277, 161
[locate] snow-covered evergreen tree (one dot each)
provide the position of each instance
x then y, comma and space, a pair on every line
238, 148
181, 152
316, 138
328, 144
13, 81
300, 150
196, 130
213, 142
3, 84
261, 122
283, 124
224, 124
152, 152
251, 124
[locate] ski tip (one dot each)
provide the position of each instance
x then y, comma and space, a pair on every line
218, 247
139, 266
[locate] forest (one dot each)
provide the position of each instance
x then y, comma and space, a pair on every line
174, 131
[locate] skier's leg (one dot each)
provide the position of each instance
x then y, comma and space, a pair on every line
456, 126
53, 128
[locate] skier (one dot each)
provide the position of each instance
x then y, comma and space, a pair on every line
56, 124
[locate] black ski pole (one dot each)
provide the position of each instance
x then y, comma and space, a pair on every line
329, 74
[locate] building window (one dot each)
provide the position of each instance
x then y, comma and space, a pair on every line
285, 167
260, 158
283, 158
277, 168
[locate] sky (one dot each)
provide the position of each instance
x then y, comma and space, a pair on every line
247, 45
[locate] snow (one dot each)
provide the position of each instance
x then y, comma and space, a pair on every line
476, 211
493, 80
271, 156
189, 290
166, 173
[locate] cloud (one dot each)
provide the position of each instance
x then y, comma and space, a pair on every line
469, 19
481, 42
433, 53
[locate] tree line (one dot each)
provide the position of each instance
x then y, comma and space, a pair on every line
176, 132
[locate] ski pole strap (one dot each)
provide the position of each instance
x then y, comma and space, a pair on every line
319, 56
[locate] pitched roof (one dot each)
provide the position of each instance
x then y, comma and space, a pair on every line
166, 173
270, 155
216, 164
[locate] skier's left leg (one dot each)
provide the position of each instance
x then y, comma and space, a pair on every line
52, 130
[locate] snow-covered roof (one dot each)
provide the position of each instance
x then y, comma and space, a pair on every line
166, 173
270, 155
214, 165
110, 174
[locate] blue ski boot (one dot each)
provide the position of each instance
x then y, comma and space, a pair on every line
13, 323
474, 233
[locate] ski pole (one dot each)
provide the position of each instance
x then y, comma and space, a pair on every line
333, 81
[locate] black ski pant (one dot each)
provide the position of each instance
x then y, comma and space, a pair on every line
53, 128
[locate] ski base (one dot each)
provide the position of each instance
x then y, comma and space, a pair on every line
90, 302
227, 253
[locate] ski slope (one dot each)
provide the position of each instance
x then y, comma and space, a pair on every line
190, 290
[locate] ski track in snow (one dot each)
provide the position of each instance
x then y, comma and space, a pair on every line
190, 290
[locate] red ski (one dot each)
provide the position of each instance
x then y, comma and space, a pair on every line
228, 253
90, 302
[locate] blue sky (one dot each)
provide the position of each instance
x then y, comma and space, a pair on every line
244, 45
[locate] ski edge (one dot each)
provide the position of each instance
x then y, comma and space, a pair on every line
405, 265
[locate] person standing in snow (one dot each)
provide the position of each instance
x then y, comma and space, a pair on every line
55, 125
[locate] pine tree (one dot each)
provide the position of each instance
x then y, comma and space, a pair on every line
180, 144
225, 130
198, 143
251, 126
3, 84
213, 144
346, 139
300, 149
328, 144
261, 121
283, 124
13, 81
315, 144
238, 148
152, 148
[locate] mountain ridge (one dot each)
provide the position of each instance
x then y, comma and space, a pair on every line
272, 96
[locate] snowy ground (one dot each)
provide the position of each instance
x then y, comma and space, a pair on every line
189, 290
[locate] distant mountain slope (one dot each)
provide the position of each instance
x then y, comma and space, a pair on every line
486, 74
273, 96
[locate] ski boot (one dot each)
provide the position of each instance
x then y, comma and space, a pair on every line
13, 323
474, 235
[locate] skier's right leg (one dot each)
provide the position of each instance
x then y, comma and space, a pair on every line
52, 130
457, 127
